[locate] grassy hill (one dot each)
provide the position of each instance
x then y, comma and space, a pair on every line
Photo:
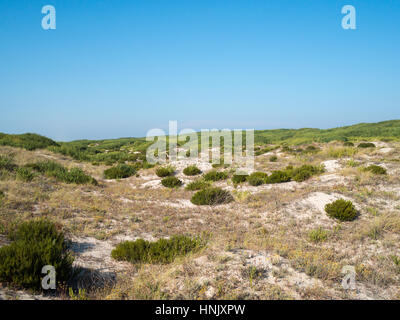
132, 149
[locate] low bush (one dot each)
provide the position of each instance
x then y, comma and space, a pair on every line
120, 171
25, 174
376, 169
165, 171
56, 170
161, 251
211, 196
348, 144
278, 177
215, 175
171, 182
239, 178
366, 145
7, 163
198, 185
257, 178
342, 210
273, 158
304, 172
34, 245
191, 171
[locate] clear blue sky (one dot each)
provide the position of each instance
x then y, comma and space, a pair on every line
119, 68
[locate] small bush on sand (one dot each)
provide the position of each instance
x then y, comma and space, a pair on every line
161, 251
366, 145
257, 178
342, 210
191, 171
273, 158
7, 163
239, 178
278, 177
25, 174
211, 196
376, 169
215, 175
304, 172
120, 171
165, 171
34, 245
348, 144
198, 185
171, 182
318, 235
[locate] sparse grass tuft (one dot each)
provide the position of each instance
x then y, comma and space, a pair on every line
318, 235
25, 174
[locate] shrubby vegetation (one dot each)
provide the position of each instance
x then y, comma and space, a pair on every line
28, 141
120, 171
165, 171
318, 235
191, 171
342, 210
25, 174
366, 145
171, 182
161, 251
273, 158
7, 163
34, 244
304, 172
215, 175
198, 185
56, 170
211, 196
376, 169
239, 178
348, 144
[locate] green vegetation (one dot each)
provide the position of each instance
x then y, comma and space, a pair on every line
211, 196
257, 178
318, 235
279, 177
28, 141
171, 182
366, 145
7, 163
215, 175
348, 144
304, 172
198, 185
57, 171
191, 171
239, 178
25, 174
342, 210
376, 169
34, 244
165, 171
161, 251
273, 158
120, 171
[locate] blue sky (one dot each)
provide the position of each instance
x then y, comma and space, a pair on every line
120, 68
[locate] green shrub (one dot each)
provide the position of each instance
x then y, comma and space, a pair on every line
171, 182
273, 158
120, 171
257, 178
348, 144
56, 170
215, 175
366, 145
34, 245
211, 196
304, 172
376, 169
161, 251
342, 210
198, 185
318, 235
239, 178
165, 171
29, 141
278, 177
25, 174
7, 163
191, 171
